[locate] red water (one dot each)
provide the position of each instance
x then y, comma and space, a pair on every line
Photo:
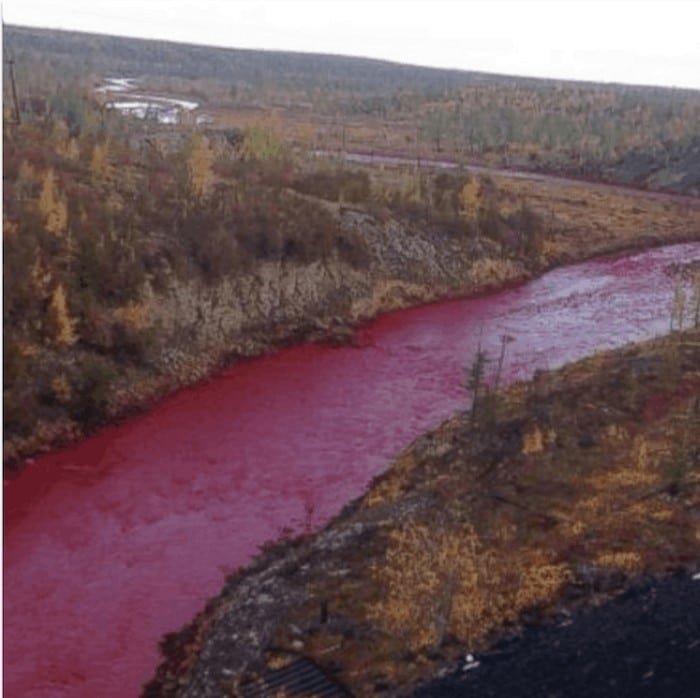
113, 542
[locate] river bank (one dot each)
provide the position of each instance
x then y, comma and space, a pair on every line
194, 329
555, 498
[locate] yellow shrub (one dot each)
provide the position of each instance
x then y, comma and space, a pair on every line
99, 165
470, 198
540, 580
627, 560
61, 323
61, 389
439, 580
52, 206
199, 166
532, 442
420, 576
134, 316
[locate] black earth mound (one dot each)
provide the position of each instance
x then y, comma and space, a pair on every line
644, 643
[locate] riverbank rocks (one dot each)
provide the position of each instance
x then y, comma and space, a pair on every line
188, 329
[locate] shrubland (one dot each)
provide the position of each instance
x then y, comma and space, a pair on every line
640, 135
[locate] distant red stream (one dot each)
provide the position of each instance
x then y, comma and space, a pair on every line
113, 542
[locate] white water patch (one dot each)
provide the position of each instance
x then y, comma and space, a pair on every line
184, 104
117, 85
166, 110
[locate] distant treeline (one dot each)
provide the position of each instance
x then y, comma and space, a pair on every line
72, 52
135, 57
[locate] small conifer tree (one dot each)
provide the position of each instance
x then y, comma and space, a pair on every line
61, 323
475, 382
52, 206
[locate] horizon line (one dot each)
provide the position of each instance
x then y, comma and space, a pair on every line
390, 61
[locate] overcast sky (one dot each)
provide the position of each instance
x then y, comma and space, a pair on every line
636, 41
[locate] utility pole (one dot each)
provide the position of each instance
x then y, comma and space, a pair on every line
11, 63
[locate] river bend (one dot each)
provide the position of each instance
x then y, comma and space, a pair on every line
121, 538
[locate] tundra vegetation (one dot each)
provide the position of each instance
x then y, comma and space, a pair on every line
646, 136
105, 216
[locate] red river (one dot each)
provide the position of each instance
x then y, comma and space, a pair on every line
121, 538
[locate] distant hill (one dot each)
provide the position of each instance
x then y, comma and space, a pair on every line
135, 57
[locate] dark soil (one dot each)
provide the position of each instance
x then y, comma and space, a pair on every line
644, 643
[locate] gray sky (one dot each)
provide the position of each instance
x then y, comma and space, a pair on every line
637, 41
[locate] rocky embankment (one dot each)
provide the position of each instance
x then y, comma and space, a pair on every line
552, 496
198, 327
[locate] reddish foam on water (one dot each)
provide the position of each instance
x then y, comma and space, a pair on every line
115, 541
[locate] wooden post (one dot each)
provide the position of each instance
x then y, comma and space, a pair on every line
11, 63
